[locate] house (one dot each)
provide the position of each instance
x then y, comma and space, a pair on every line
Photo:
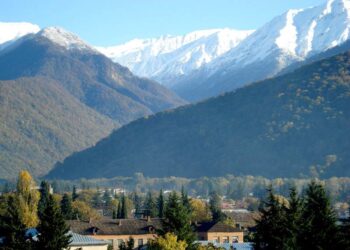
218, 232
82, 242
118, 231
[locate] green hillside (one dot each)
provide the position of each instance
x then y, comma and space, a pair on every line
41, 122
294, 125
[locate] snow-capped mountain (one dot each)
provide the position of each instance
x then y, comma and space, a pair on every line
207, 63
10, 32
291, 37
170, 56
65, 38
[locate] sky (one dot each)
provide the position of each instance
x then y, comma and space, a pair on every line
111, 22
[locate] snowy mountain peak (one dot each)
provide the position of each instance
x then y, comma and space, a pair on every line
172, 56
64, 38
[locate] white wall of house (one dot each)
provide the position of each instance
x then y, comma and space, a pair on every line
89, 247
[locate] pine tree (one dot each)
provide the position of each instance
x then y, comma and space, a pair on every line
319, 229
124, 208
137, 203
74, 193
150, 206
177, 219
119, 211
184, 198
53, 231
292, 220
44, 196
161, 204
271, 224
12, 228
215, 207
66, 207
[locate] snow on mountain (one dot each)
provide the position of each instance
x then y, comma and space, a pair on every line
64, 38
10, 32
171, 56
296, 34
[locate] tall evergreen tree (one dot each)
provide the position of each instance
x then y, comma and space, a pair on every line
12, 228
177, 219
124, 208
137, 203
119, 211
150, 206
44, 196
53, 231
184, 198
319, 229
215, 207
270, 225
292, 220
66, 207
161, 204
74, 193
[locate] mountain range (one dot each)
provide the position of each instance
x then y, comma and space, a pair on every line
207, 63
295, 125
60, 95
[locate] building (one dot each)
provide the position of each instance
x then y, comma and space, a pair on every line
115, 232
82, 242
218, 232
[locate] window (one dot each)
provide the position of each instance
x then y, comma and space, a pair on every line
225, 239
140, 242
216, 239
235, 239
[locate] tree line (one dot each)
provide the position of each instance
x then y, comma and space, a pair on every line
303, 221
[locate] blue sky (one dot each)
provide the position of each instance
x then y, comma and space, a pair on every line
109, 22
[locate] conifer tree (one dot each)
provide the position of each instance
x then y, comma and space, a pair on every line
271, 224
177, 219
66, 207
124, 208
215, 207
119, 211
184, 198
293, 220
74, 193
53, 231
137, 203
161, 204
150, 205
319, 229
44, 196
12, 228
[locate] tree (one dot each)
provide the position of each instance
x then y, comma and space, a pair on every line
74, 194
27, 199
12, 228
129, 245
124, 208
119, 211
270, 225
167, 242
177, 219
83, 211
44, 196
150, 206
184, 198
161, 204
66, 207
53, 231
292, 220
319, 229
215, 207
200, 211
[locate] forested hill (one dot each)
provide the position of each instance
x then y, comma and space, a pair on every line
58, 95
293, 125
